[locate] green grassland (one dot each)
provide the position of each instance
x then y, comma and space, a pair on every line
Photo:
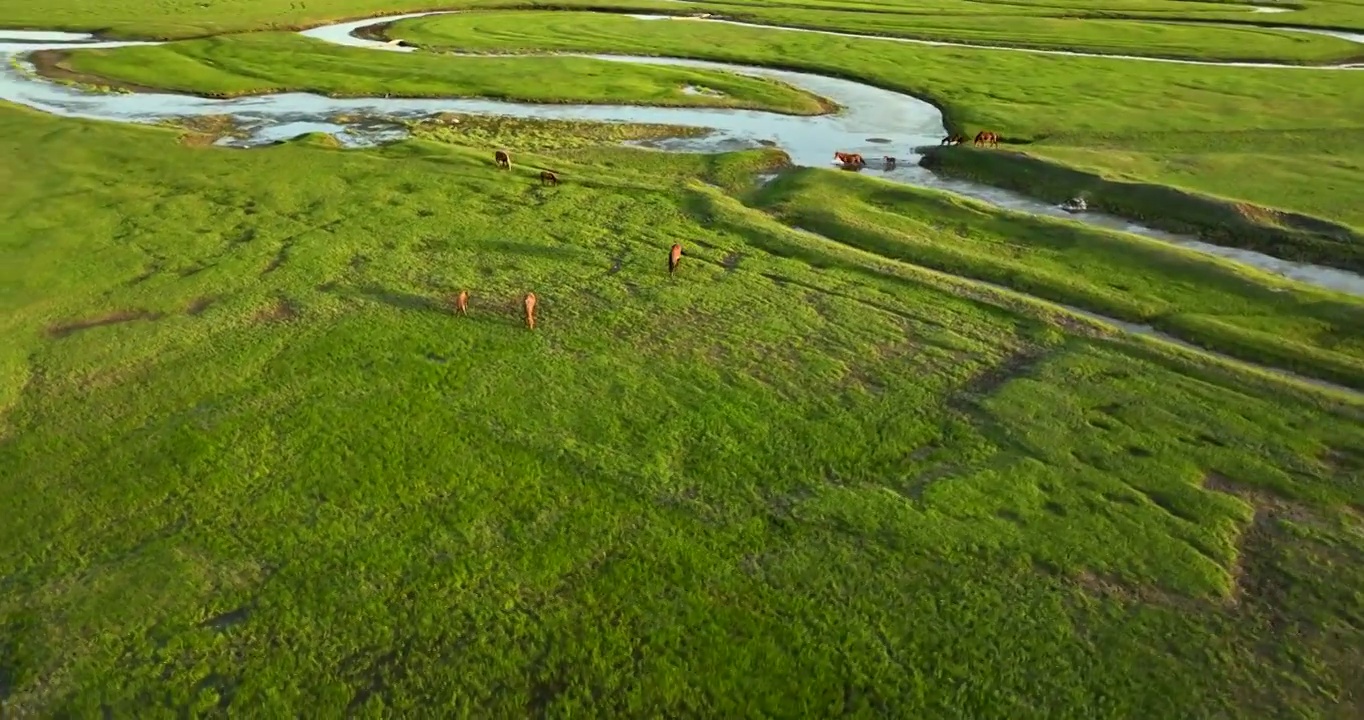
253, 464
241, 417
261, 63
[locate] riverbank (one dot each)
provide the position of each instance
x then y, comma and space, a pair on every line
265, 63
1229, 223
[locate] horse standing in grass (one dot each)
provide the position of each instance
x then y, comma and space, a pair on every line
548, 178
502, 159
674, 257
985, 137
462, 302
530, 310
854, 159
953, 139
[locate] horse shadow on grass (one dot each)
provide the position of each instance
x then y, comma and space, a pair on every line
482, 308
403, 300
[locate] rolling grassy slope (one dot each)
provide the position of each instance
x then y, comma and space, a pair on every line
240, 416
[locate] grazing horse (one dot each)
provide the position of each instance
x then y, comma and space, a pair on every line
674, 257
530, 310
850, 158
462, 302
502, 159
953, 139
985, 137
548, 178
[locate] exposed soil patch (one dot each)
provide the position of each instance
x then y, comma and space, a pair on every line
280, 311
199, 305
1016, 364
1256, 538
122, 316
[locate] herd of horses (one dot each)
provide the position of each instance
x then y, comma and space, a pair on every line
855, 160
851, 160
503, 160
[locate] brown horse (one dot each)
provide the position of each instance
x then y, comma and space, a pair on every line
953, 139
674, 257
850, 158
462, 302
502, 159
548, 178
985, 137
530, 310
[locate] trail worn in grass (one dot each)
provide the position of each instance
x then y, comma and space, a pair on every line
239, 415
260, 63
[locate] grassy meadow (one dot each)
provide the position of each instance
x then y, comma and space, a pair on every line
262, 63
826, 470
240, 415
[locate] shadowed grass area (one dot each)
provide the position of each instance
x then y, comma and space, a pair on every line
261, 63
796, 479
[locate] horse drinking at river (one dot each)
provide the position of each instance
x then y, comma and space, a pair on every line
854, 159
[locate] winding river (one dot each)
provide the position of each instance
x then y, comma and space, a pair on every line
873, 121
